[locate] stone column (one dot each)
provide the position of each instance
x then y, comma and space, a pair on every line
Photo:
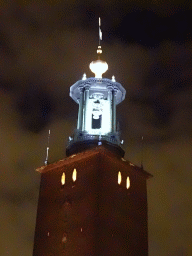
80, 114
85, 107
114, 110
110, 107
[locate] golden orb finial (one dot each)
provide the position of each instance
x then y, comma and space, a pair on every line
98, 67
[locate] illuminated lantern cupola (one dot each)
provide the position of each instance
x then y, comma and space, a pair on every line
97, 98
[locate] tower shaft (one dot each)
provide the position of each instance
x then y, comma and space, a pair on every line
93, 215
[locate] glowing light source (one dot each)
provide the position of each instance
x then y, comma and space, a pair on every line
119, 178
63, 179
128, 183
98, 67
74, 175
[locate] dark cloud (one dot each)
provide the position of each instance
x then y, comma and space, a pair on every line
44, 49
35, 107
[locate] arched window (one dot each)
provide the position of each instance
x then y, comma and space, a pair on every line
119, 178
63, 179
128, 182
74, 175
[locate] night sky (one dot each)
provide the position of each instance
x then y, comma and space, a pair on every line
45, 47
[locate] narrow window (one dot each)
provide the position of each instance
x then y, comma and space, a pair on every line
63, 179
119, 178
128, 182
74, 175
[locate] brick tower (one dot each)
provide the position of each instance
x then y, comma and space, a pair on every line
93, 202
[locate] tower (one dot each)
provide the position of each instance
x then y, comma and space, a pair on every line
93, 202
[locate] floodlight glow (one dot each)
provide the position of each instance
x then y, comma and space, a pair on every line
98, 67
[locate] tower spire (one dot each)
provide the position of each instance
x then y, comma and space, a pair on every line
99, 50
99, 67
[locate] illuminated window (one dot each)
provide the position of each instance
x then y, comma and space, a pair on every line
128, 182
119, 178
63, 179
74, 175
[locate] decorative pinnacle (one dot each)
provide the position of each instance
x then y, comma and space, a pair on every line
84, 77
113, 79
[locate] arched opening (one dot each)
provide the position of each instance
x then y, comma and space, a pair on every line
128, 182
97, 113
119, 178
74, 175
63, 179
